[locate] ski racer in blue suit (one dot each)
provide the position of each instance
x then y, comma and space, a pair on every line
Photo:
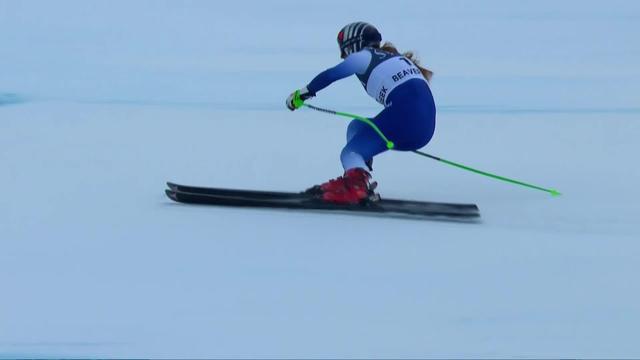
397, 82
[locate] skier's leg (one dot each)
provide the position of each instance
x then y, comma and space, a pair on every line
363, 143
409, 126
355, 127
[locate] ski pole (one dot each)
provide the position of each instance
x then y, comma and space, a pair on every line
390, 146
368, 121
550, 191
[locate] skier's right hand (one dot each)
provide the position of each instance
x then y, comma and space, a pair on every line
297, 98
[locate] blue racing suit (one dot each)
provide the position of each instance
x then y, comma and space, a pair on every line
409, 116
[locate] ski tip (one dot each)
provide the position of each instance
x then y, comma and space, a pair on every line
555, 193
172, 186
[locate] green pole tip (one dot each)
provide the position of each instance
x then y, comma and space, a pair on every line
555, 193
390, 145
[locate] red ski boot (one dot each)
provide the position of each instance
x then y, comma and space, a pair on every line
350, 188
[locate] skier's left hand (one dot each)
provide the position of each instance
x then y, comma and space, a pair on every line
297, 98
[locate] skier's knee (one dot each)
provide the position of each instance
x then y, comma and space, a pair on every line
355, 126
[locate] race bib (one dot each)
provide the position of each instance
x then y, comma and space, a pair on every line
390, 74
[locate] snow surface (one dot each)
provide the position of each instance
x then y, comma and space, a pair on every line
101, 102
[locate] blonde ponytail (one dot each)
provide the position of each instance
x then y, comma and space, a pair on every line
389, 47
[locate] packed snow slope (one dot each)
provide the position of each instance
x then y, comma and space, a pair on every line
101, 102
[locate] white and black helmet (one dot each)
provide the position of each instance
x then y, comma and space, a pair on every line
356, 36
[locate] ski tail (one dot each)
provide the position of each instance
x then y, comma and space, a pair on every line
236, 192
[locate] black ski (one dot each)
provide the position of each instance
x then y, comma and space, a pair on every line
259, 194
236, 192
301, 201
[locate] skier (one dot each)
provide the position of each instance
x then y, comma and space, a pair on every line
399, 83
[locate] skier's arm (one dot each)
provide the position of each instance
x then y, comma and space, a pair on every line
356, 63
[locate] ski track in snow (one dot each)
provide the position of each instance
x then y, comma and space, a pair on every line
95, 261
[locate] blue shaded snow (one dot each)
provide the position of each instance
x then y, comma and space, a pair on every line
10, 99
